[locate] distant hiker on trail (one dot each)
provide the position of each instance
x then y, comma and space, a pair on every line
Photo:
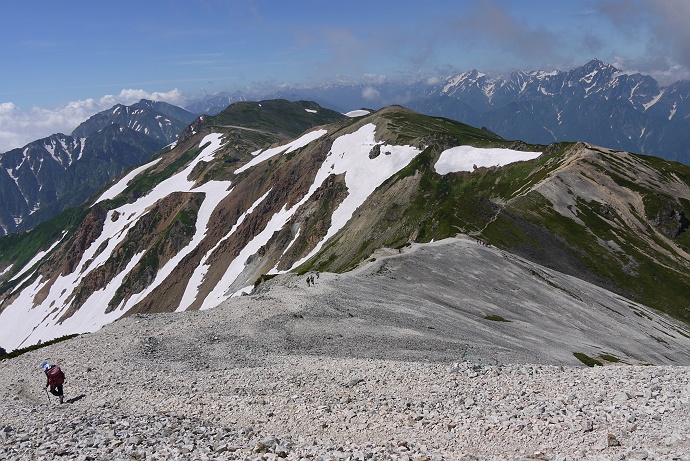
56, 378
308, 281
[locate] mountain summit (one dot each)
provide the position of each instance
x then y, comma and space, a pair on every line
158, 120
50, 175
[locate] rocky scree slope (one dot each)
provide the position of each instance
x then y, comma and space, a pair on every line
390, 361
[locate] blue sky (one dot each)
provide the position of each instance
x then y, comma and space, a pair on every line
63, 61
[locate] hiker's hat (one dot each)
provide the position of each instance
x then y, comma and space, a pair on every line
45, 365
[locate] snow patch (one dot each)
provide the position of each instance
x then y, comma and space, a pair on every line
467, 158
357, 113
654, 100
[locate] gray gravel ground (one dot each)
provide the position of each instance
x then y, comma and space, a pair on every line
395, 360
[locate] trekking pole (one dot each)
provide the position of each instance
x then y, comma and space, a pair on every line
47, 396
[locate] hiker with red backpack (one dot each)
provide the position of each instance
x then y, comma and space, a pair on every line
56, 378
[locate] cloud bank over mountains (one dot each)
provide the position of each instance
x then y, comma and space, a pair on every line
19, 127
663, 28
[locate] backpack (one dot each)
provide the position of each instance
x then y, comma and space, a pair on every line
55, 376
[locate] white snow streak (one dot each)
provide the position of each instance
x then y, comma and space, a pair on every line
350, 155
82, 144
122, 184
285, 148
197, 277
51, 150
219, 293
37, 258
14, 178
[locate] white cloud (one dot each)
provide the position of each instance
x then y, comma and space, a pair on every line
371, 94
375, 79
660, 67
19, 127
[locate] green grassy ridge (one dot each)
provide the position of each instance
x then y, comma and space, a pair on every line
448, 204
644, 286
669, 297
447, 196
278, 116
443, 205
411, 126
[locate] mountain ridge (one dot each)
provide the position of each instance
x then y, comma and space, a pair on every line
228, 207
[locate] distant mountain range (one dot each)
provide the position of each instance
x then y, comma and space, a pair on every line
272, 186
595, 103
49, 175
